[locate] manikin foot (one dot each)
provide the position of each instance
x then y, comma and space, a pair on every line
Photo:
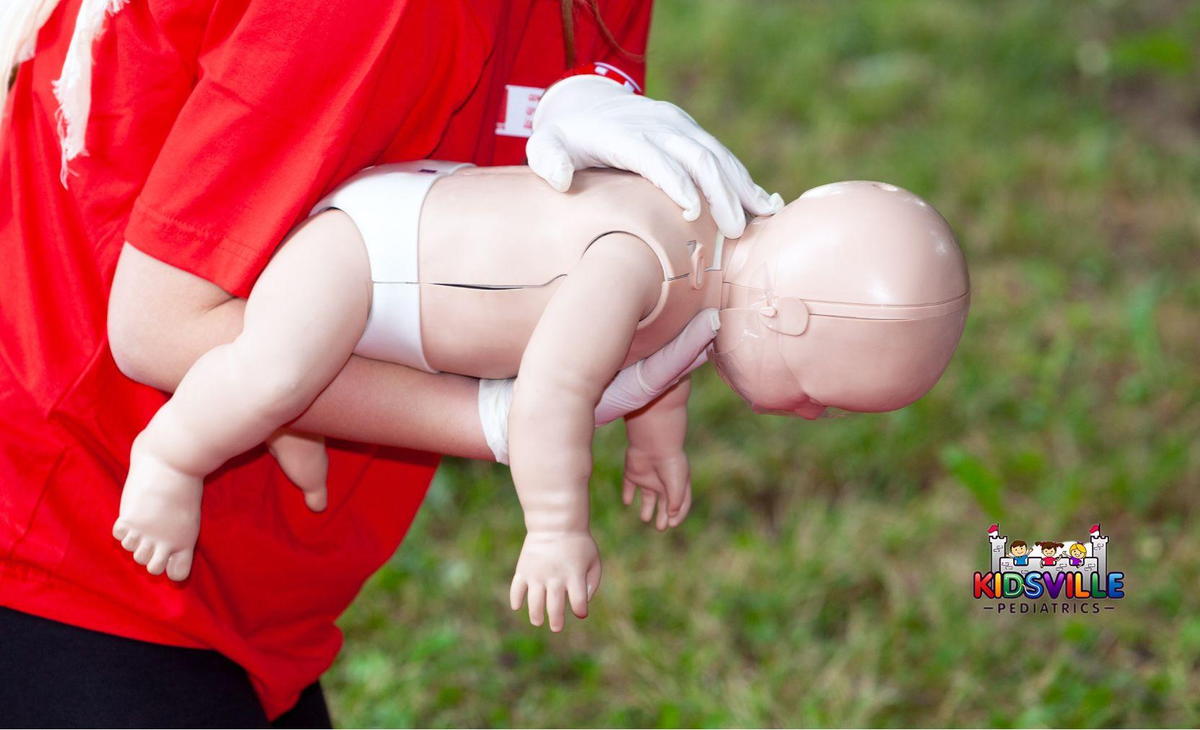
160, 515
303, 458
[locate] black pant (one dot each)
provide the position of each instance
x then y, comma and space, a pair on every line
56, 675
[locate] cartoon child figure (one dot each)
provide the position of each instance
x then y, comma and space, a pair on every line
1049, 552
1019, 552
1076, 553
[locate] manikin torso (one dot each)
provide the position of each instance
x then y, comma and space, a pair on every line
492, 254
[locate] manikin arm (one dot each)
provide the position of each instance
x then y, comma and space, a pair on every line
578, 345
655, 461
161, 319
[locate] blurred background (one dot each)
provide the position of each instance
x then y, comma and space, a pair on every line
824, 574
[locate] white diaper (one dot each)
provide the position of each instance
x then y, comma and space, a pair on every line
385, 204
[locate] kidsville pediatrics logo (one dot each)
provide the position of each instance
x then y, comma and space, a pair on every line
1070, 577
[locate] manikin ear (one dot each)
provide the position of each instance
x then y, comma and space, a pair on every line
785, 315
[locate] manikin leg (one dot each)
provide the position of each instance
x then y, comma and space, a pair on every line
303, 458
303, 318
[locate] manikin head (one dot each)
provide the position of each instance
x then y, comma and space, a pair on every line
853, 296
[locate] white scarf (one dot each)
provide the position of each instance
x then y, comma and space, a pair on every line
20, 21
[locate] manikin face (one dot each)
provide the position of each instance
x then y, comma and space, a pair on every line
768, 387
752, 358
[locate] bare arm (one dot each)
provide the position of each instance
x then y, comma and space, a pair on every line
161, 319
579, 344
655, 460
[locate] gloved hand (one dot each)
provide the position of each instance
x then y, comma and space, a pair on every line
590, 121
645, 380
633, 387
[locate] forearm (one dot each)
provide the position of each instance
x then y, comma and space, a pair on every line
382, 403
550, 437
369, 401
661, 427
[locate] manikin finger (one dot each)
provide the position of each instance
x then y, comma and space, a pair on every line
577, 594
131, 540
144, 552
537, 603
179, 565
704, 168
660, 520
516, 593
119, 530
648, 500
556, 600
628, 489
158, 563
675, 475
678, 517
548, 158
593, 580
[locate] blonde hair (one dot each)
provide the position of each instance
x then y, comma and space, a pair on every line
20, 21
1079, 545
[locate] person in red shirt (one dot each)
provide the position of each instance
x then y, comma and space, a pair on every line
211, 129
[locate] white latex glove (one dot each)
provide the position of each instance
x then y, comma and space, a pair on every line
590, 121
645, 380
632, 388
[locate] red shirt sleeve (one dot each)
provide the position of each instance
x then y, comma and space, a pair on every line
291, 98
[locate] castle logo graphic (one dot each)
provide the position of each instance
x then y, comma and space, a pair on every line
1048, 576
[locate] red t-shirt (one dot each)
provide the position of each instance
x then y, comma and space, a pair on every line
215, 126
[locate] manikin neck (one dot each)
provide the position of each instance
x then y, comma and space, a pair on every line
714, 279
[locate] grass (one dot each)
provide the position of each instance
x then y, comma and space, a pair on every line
823, 577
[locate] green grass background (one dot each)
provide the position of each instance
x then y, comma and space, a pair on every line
823, 577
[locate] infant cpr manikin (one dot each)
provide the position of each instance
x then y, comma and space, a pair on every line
852, 296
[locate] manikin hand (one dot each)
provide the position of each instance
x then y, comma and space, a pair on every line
591, 121
655, 461
556, 568
664, 480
